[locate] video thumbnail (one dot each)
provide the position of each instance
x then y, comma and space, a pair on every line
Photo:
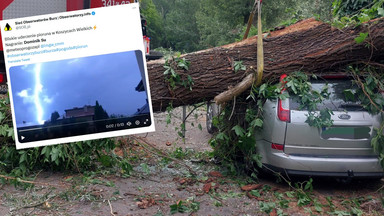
80, 96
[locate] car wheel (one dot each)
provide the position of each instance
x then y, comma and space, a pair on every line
212, 111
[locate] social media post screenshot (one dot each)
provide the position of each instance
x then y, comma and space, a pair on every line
77, 75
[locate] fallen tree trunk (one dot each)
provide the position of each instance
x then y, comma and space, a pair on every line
309, 46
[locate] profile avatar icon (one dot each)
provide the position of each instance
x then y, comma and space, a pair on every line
8, 27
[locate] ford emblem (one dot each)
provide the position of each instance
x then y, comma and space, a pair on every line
344, 116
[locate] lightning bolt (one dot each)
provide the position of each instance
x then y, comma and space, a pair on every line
38, 90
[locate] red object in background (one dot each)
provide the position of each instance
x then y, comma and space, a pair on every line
282, 77
146, 44
3, 4
1, 78
277, 146
101, 3
282, 113
75, 5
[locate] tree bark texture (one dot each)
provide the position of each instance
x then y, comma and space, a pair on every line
308, 46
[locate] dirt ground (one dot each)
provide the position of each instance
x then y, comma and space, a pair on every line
195, 138
162, 187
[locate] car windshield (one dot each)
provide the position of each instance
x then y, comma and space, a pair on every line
337, 100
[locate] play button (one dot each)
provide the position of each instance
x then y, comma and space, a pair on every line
22, 138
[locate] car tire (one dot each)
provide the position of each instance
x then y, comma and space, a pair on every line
212, 111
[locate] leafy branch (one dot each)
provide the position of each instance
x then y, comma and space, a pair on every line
172, 65
298, 84
372, 99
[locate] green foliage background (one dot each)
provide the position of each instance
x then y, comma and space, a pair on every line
187, 26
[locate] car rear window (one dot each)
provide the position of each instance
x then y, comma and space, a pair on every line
336, 101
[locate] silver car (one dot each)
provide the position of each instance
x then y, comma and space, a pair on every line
289, 145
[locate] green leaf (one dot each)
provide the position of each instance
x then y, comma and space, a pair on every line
55, 155
307, 186
238, 65
145, 168
174, 209
167, 70
292, 86
200, 127
380, 11
221, 136
180, 134
168, 119
290, 194
217, 203
46, 151
105, 160
356, 211
183, 64
68, 179
257, 123
239, 130
375, 144
195, 206
257, 158
283, 96
173, 73
2, 116
179, 208
349, 95
126, 167
23, 157
284, 204
361, 38
255, 193
10, 133
341, 213
318, 208
364, 18
262, 89
3, 129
